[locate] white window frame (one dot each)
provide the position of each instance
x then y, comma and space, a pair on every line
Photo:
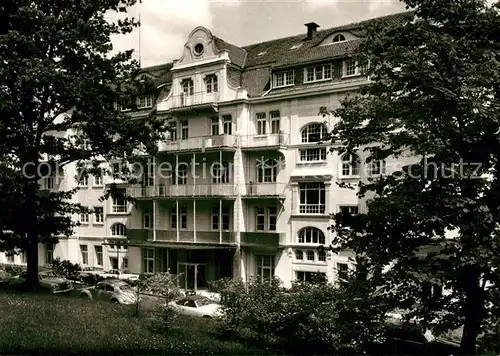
301, 275
227, 124
84, 218
84, 253
173, 134
184, 129
148, 257
119, 208
84, 182
98, 181
283, 79
311, 236
267, 173
261, 122
215, 126
325, 70
221, 173
144, 101
317, 154
314, 130
340, 37
274, 121
118, 229
9, 257
322, 256
265, 214
312, 208
180, 175
376, 168
351, 64
299, 255
187, 86
351, 209
261, 265
340, 269
99, 215
260, 214
350, 165
211, 83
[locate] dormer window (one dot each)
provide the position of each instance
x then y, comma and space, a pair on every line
318, 73
211, 83
144, 101
187, 86
338, 38
283, 79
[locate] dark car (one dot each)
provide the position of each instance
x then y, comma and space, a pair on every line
411, 340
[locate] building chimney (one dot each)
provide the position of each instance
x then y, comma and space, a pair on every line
311, 29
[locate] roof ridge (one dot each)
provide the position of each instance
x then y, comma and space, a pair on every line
246, 47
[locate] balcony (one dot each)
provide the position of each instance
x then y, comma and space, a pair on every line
139, 234
267, 142
256, 190
201, 143
185, 190
207, 237
195, 101
263, 239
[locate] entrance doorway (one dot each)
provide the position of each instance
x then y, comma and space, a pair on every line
193, 275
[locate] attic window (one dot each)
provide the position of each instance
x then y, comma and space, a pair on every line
261, 53
338, 38
198, 49
295, 46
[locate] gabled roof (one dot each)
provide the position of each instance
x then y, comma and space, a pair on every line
237, 55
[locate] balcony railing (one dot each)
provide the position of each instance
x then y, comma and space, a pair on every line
312, 209
264, 189
119, 208
184, 190
199, 143
184, 236
269, 239
198, 98
265, 141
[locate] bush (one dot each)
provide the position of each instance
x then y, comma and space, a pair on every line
14, 270
66, 269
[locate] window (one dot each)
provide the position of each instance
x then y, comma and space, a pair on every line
49, 254
84, 217
220, 173
98, 180
187, 86
98, 255
181, 175
85, 254
149, 260
310, 255
182, 218
275, 121
147, 218
10, 257
216, 217
313, 154
215, 126
261, 123
342, 271
267, 170
144, 101
212, 84
338, 38
84, 182
266, 219
352, 210
265, 266
376, 167
283, 79
313, 133
351, 68
50, 183
118, 230
350, 165
184, 130
173, 131
299, 255
125, 263
318, 73
311, 235
99, 214
119, 205
312, 198
322, 256
227, 122
310, 277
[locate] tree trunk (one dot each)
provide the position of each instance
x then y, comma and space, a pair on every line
32, 282
474, 313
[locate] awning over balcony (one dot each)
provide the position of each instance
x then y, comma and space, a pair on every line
311, 173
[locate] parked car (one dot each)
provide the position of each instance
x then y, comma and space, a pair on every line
47, 279
197, 305
123, 275
113, 290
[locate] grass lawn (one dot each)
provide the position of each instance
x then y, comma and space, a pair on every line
46, 324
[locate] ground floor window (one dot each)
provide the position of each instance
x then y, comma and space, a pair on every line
149, 260
342, 271
265, 266
310, 277
49, 254
98, 255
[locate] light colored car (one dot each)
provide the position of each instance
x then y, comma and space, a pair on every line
113, 290
48, 280
123, 275
197, 305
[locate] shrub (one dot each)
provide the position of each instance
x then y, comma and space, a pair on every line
65, 268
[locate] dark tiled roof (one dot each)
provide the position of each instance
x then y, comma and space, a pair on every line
237, 55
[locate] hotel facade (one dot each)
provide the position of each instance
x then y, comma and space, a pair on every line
242, 185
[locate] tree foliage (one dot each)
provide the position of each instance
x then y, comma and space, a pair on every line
432, 105
59, 86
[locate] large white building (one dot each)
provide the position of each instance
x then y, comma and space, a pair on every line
241, 187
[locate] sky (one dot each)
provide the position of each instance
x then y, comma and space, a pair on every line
166, 24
